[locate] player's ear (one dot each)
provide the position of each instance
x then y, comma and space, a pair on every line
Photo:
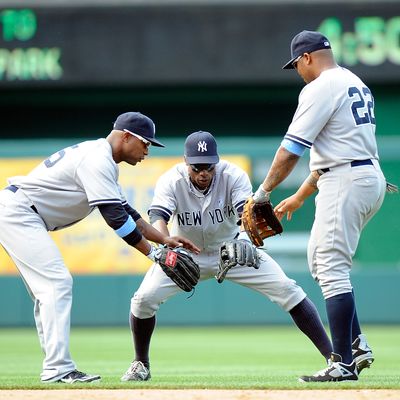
307, 58
126, 137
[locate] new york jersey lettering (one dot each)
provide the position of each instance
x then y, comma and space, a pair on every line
218, 216
189, 218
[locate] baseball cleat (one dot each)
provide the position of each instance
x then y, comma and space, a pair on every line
362, 353
336, 371
77, 376
136, 372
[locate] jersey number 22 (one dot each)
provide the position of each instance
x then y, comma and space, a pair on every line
362, 97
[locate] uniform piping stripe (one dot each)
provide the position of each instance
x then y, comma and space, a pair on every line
104, 201
161, 208
240, 204
298, 140
159, 213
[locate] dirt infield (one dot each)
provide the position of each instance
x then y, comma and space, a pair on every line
199, 394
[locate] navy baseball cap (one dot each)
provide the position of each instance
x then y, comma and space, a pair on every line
306, 42
201, 148
139, 124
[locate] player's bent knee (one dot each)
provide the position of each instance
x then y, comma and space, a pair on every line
335, 287
288, 294
143, 306
63, 285
294, 297
59, 295
68, 281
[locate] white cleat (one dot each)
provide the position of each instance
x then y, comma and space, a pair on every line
136, 372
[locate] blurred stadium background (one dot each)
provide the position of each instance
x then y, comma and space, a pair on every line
68, 68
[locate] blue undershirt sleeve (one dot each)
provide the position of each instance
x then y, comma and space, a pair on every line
293, 147
122, 222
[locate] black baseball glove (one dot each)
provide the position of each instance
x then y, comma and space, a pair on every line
236, 252
179, 265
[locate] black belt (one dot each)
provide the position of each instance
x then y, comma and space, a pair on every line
14, 188
355, 163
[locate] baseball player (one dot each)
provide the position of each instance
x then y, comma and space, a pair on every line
335, 119
59, 192
203, 199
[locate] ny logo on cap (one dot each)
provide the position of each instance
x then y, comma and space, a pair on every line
202, 146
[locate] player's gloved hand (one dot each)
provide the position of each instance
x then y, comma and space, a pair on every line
236, 252
261, 195
259, 221
179, 265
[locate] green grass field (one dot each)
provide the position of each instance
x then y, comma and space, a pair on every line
198, 357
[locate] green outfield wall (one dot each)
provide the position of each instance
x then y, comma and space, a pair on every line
105, 300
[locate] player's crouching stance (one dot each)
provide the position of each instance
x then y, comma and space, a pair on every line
59, 192
211, 194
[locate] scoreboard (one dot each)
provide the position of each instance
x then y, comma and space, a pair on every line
188, 44
20, 57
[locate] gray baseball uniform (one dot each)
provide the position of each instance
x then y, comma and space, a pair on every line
203, 199
59, 192
209, 219
340, 130
335, 118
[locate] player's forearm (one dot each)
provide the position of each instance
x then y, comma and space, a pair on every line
151, 233
143, 246
289, 205
161, 226
282, 166
308, 187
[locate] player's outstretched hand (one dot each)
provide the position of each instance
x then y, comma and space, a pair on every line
288, 206
179, 241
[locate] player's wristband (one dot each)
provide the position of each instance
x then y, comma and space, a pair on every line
261, 196
152, 253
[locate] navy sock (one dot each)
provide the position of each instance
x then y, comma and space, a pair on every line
340, 310
142, 329
355, 328
307, 319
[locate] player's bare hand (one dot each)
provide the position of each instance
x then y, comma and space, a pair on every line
179, 241
288, 206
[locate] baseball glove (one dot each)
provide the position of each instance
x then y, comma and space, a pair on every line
260, 221
236, 252
179, 265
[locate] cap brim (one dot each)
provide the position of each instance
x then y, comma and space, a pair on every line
202, 160
289, 64
155, 142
